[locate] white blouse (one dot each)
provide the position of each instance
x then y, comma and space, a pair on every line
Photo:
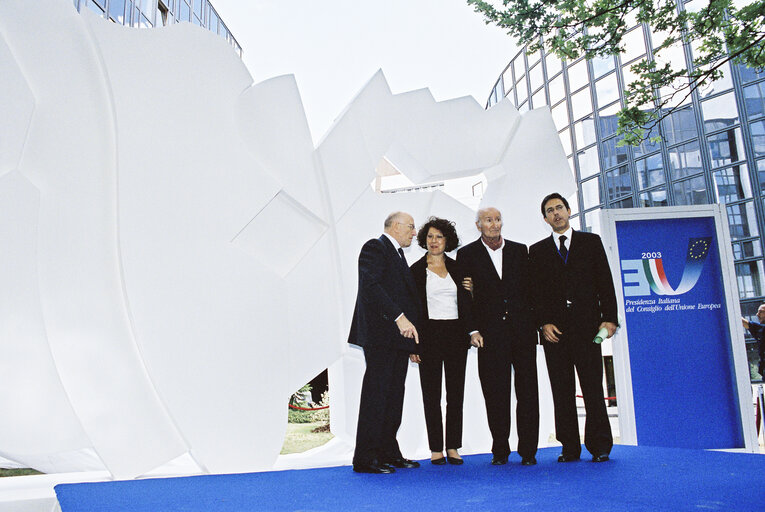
442, 296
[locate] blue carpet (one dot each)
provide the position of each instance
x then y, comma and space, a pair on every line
636, 479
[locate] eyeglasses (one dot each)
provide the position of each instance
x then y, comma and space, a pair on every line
410, 226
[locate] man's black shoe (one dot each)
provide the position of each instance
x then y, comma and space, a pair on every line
529, 461
401, 462
567, 458
373, 468
499, 460
603, 457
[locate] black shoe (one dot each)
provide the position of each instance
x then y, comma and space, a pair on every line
603, 457
454, 460
529, 461
567, 458
499, 460
373, 468
400, 462
438, 462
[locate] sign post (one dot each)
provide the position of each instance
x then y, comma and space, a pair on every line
680, 358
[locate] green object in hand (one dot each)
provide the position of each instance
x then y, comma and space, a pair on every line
602, 334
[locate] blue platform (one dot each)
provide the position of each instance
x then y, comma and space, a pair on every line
636, 479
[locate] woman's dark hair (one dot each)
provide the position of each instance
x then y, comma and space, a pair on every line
446, 227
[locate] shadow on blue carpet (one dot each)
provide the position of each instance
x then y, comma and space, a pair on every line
636, 479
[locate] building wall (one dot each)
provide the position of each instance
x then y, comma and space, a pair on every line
712, 149
152, 13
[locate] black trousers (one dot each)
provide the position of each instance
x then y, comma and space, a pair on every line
445, 346
584, 355
382, 401
495, 361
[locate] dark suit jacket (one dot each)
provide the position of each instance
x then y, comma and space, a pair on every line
501, 308
590, 285
464, 300
386, 289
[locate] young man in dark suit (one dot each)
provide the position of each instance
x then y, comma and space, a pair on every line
502, 315
387, 310
574, 298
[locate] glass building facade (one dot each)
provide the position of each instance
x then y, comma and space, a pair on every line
154, 13
712, 149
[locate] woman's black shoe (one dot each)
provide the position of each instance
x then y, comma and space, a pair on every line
454, 460
438, 462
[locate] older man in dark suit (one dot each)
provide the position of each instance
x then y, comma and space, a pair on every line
574, 299
384, 325
502, 315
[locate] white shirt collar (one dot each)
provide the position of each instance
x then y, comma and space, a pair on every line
395, 243
567, 233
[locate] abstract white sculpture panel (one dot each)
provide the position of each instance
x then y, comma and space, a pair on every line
180, 258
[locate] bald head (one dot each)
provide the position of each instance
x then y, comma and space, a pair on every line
400, 225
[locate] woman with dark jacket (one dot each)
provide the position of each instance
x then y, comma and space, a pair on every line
445, 339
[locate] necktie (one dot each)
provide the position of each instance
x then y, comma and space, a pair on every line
403, 258
563, 250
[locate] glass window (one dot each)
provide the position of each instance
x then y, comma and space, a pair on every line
633, 45
592, 221
613, 154
573, 173
601, 66
757, 130
577, 75
761, 175
198, 8
607, 90
507, 78
557, 91
726, 147
584, 132
536, 77
524, 107
554, 65
539, 99
742, 221
99, 3
533, 58
692, 191
685, 160
96, 8
723, 83
650, 171
618, 183
565, 140
749, 276
748, 249
680, 125
750, 74
628, 75
184, 13
624, 203
588, 162
117, 11
646, 146
521, 90
591, 193
607, 121
754, 98
732, 184
719, 112
581, 103
573, 203
657, 197
560, 115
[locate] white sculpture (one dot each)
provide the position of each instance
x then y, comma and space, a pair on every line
177, 256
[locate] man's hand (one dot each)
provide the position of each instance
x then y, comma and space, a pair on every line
745, 322
476, 340
609, 326
550, 333
467, 283
415, 358
407, 328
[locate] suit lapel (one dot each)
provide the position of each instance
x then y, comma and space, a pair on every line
404, 268
488, 262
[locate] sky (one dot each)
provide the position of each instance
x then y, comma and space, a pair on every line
333, 47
